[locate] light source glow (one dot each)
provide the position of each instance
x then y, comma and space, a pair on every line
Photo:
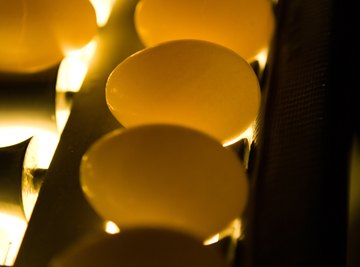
12, 230
212, 240
74, 67
111, 228
262, 58
103, 10
11, 135
233, 230
248, 134
62, 115
39, 154
41, 149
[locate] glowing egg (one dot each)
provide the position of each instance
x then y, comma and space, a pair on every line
187, 82
164, 176
39, 33
246, 26
73, 22
140, 248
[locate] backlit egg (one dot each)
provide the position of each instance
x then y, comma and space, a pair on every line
187, 82
36, 34
246, 26
164, 176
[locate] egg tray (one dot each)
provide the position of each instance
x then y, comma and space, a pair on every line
297, 214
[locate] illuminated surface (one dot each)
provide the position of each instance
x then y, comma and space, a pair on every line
192, 83
71, 75
39, 32
12, 229
73, 68
26, 117
140, 247
38, 156
233, 231
111, 228
10, 135
164, 176
15, 134
15, 127
261, 58
103, 10
242, 25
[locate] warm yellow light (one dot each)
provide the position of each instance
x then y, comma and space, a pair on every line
111, 228
62, 115
74, 67
233, 231
13, 134
38, 34
262, 58
12, 230
44, 139
241, 25
10, 135
71, 75
30, 193
212, 240
164, 176
41, 149
248, 134
39, 155
186, 82
103, 10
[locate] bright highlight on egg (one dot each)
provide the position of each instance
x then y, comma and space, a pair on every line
140, 248
164, 176
241, 25
193, 83
38, 33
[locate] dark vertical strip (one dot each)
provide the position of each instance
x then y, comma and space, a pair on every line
298, 214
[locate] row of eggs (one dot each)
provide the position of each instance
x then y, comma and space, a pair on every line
36, 34
181, 100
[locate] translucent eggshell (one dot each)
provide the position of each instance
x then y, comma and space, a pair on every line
164, 176
38, 33
246, 26
140, 248
187, 82
77, 27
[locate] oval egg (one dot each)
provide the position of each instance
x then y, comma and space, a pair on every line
164, 176
193, 83
41, 32
245, 26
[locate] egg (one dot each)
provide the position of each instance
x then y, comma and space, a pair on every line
39, 33
246, 26
139, 248
193, 83
164, 176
